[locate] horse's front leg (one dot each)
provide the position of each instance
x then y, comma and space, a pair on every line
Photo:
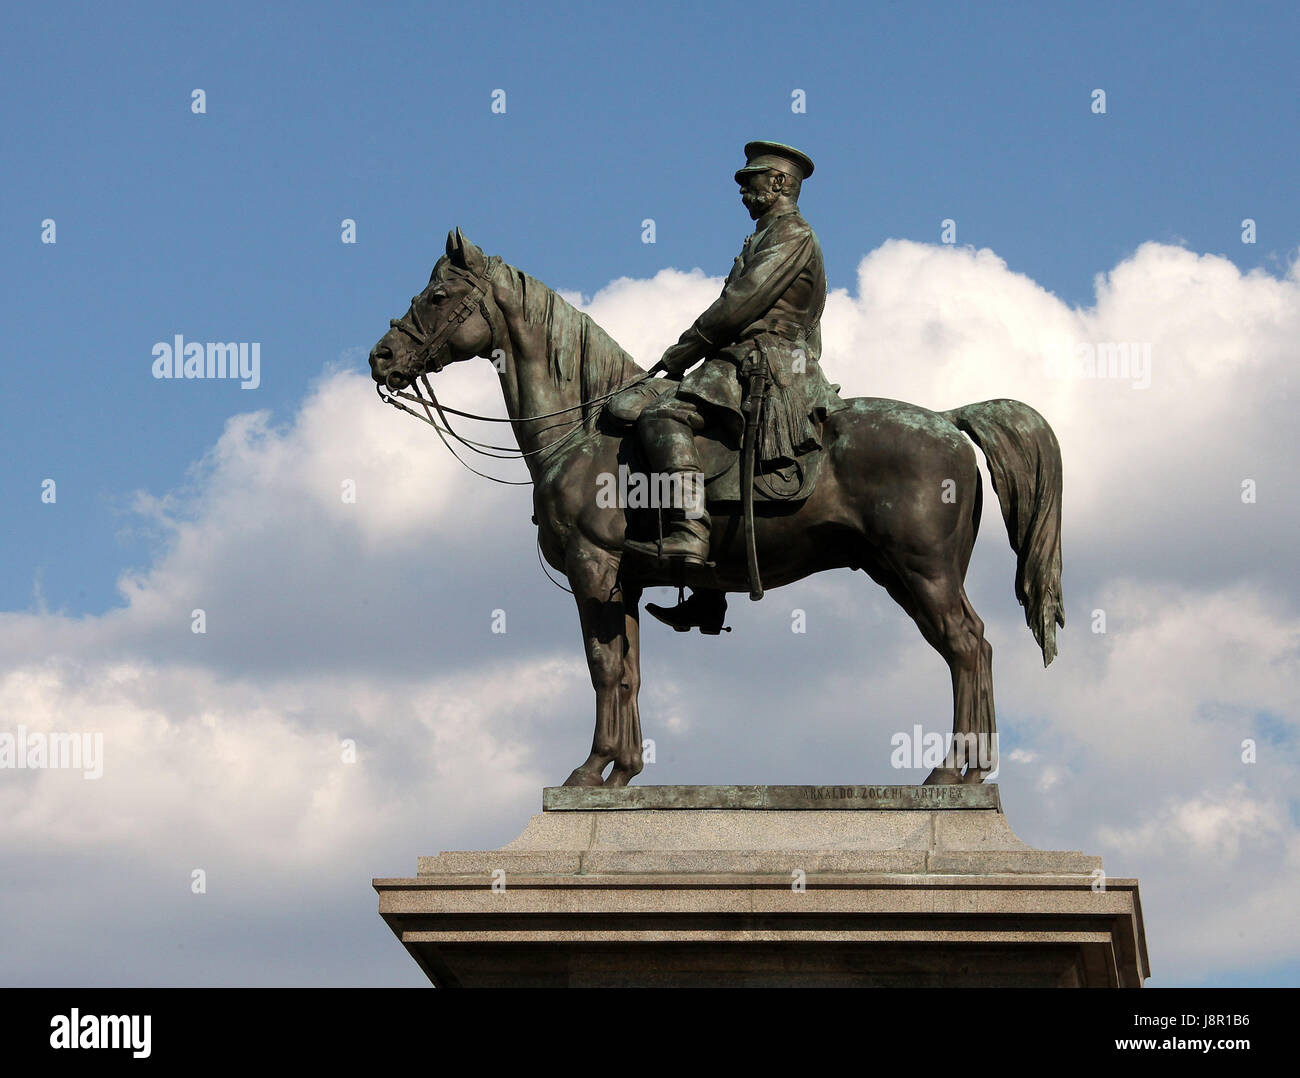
593, 574
627, 761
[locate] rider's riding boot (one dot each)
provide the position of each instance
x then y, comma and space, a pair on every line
705, 610
684, 539
670, 445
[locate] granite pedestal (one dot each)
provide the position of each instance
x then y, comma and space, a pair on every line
872, 886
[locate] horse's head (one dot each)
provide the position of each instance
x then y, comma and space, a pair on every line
446, 323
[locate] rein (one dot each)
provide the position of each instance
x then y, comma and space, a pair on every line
428, 400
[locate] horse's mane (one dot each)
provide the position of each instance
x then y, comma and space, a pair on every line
576, 345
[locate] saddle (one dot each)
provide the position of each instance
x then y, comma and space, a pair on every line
719, 457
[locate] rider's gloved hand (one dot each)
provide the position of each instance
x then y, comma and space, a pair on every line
677, 358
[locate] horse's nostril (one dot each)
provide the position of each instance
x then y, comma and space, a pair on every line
381, 353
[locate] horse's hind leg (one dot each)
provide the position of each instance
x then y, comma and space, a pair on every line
940, 608
981, 748
593, 573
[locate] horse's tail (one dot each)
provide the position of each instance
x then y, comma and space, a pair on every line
1024, 462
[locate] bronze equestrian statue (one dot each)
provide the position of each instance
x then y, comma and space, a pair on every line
796, 480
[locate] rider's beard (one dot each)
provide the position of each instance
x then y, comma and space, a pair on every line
762, 201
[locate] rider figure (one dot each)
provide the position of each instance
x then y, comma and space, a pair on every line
769, 311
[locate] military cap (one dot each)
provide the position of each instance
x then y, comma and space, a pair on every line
760, 156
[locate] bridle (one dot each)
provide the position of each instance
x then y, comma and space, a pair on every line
429, 347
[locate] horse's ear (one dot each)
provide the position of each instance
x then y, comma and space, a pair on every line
464, 254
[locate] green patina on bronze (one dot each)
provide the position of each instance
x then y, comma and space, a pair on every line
789, 798
898, 498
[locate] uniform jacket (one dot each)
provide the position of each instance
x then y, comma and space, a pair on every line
770, 307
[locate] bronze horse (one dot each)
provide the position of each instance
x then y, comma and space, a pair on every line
898, 497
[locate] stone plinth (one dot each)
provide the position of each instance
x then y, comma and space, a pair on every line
813, 885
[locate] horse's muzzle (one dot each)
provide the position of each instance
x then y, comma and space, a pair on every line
380, 356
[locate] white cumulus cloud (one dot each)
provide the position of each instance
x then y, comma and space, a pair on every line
370, 620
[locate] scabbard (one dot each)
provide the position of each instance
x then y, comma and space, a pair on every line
753, 412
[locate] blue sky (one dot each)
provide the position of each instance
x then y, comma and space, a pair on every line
226, 226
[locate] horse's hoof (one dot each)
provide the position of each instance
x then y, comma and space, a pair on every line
618, 778
973, 776
943, 776
584, 778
